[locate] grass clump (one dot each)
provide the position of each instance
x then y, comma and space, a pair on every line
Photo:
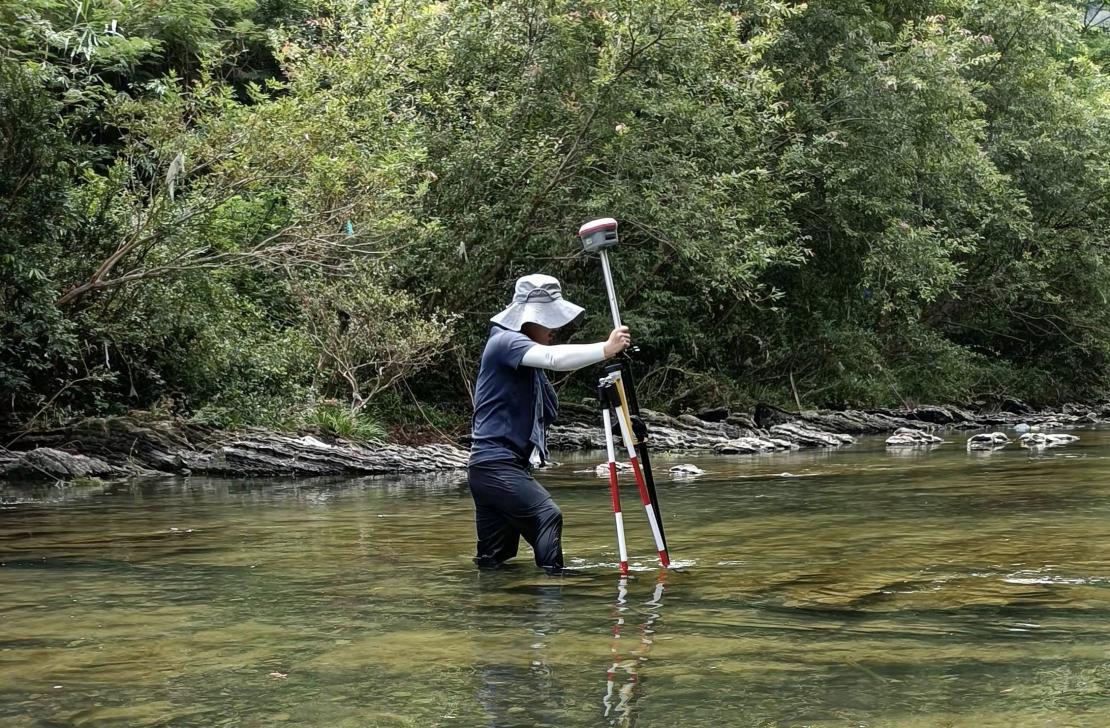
342, 422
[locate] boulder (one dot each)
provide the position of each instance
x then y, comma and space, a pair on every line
988, 441
1015, 407
47, 462
748, 446
796, 432
602, 471
938, 415
741, 420
1034, 440
717, 414
909, 437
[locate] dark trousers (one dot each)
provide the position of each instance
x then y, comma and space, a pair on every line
508, 504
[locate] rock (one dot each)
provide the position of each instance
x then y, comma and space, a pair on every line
1015, 406
588, 411
717, 414
310, 441
269, 454
129, 443
745, 446
46, 462
1039, 440
742, 421
768, 416
1021, 427
119, 446
686, 471
909, 437
937, 415
687, 432
985, 441
855, 422
602, 471
814, 438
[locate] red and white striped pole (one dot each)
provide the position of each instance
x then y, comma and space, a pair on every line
629, 443
614, 490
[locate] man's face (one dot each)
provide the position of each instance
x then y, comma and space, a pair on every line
538, 334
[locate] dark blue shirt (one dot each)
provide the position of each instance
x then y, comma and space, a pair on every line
508, 417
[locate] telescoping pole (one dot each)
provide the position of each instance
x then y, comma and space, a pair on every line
597, 237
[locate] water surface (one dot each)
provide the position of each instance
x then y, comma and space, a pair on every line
820, 588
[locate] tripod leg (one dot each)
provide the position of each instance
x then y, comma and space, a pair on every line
614, 490
626, 434
626, 393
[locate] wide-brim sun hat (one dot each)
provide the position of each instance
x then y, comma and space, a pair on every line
538, 299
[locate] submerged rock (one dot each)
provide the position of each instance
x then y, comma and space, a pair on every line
1040, 439
909, 437
686, 470
602, 471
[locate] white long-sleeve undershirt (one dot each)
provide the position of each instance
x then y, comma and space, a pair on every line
564, 357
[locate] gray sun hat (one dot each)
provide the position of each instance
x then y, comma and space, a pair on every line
538, 299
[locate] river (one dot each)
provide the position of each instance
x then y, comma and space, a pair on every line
856, 587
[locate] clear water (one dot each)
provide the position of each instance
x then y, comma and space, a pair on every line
864, 589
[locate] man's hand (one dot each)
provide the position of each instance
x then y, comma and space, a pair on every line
618, 341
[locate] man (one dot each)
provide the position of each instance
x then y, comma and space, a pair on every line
514, 403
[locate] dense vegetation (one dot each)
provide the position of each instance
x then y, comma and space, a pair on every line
290, 211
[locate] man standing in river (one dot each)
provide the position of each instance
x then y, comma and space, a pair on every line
514, 403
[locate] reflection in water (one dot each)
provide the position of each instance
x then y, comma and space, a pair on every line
620, 703
507, 681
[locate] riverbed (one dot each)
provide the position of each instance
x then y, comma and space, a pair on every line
852, 587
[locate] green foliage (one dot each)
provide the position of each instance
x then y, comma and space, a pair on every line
368, 337
33, 333
237, 209
954, 194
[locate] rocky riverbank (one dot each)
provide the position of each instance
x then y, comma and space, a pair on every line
119, 447
771, 428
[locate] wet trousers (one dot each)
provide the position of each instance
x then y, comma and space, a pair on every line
508, 504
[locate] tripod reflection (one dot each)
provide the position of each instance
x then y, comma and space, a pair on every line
629, 659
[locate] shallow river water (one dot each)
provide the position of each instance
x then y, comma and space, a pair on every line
821, 588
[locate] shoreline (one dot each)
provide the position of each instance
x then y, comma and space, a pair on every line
114, 448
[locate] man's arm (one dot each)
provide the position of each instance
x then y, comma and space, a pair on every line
568, 357
564, 357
